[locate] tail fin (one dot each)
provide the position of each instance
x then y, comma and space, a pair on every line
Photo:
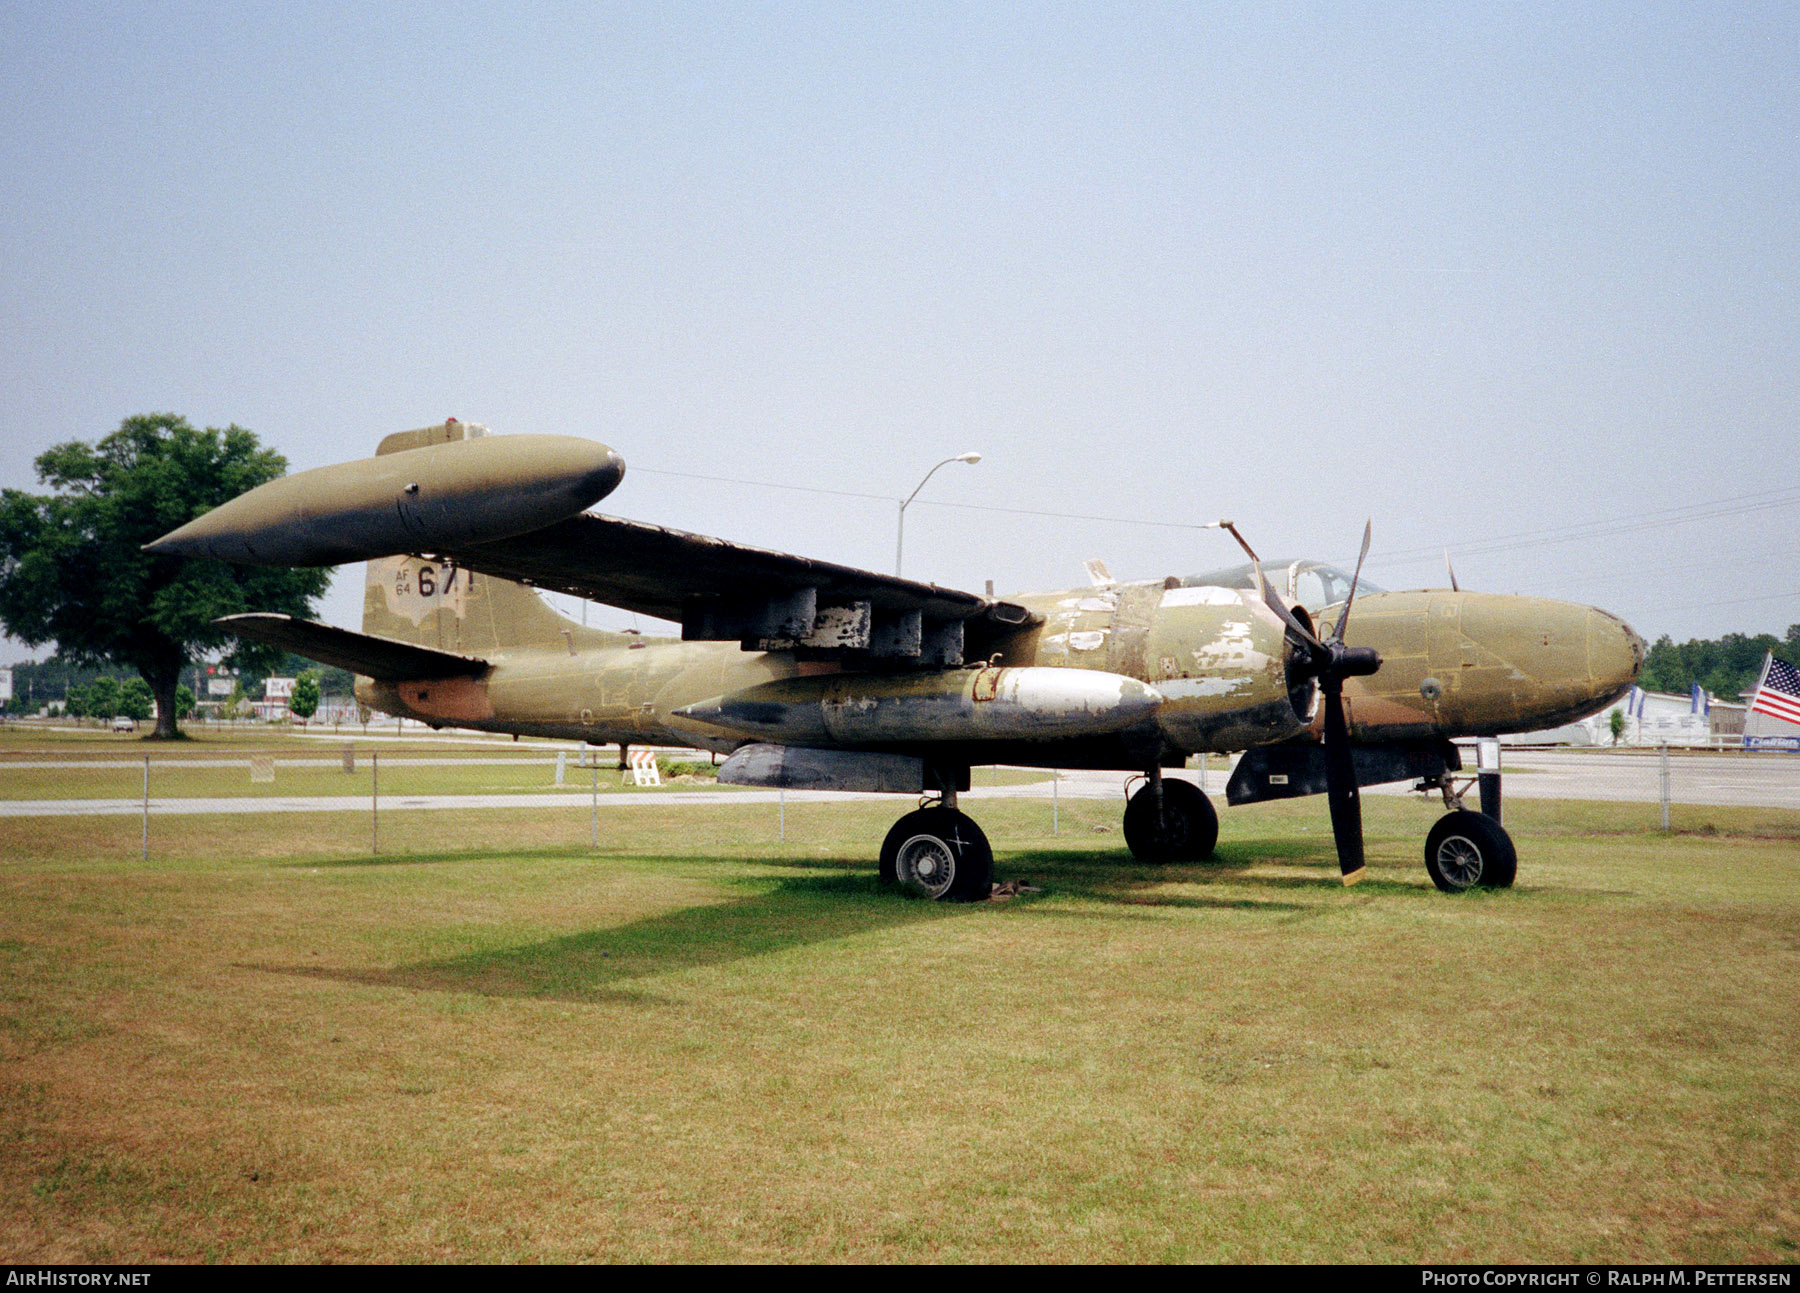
433, 603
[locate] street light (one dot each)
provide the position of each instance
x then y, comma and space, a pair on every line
900, 537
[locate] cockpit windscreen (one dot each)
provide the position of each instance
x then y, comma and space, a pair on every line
1312, 584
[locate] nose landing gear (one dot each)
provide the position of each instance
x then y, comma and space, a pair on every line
1468, 849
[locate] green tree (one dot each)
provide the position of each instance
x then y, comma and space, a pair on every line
103, 699
1617, 724
184, 701
75, 702
135, 700
303, 701
72, 569
1724, 666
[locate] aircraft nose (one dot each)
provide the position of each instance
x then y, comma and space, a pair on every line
1615, 653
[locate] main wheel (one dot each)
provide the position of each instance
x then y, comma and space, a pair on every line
938, 853
1187, 832
1466, 849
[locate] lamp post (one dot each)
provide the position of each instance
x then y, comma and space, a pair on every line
900, 535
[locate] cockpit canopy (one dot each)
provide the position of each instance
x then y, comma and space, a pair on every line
1312, 584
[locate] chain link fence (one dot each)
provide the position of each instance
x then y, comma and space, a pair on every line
410, 796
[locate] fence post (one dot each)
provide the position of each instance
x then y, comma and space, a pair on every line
594, 806
781, 799
1055, 802
146, 808
374, 801
1663, 760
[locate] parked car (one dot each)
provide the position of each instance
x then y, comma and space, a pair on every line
123, 724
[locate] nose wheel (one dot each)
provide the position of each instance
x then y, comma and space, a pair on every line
938, 853
1466, 849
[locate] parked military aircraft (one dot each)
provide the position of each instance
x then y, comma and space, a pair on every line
821, 676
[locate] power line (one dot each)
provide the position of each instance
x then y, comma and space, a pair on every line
764, 484
926, 502
1731, 601
1062, 516
1662, 518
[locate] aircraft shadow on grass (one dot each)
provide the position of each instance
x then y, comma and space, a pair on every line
593, 966
837, 898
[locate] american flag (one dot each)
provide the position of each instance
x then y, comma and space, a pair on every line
1778, 695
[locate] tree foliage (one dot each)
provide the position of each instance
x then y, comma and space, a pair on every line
303, 701
135, 701
1723, 666
72, 570
104, 698
42, 681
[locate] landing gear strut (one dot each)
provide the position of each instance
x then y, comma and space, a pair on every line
1170, 821
940, 853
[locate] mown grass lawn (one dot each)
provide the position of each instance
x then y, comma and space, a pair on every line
703, 1043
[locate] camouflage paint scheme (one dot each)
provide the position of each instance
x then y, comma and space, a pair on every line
1215, 655
1454, 664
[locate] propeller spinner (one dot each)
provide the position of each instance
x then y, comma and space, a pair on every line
1329, 661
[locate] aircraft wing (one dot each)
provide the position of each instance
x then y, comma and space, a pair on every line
379, 658
717, 590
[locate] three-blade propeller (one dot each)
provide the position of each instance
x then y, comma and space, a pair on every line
1329, 661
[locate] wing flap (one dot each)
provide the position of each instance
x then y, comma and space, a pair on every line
380, 658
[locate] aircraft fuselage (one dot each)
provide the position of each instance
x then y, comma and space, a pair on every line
1454, 664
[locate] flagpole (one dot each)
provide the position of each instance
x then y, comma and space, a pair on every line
1761, 678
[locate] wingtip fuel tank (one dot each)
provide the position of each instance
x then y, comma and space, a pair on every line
434, 498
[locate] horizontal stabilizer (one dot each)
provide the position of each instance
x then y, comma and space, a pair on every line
383, 659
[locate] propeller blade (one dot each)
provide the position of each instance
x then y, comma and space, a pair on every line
1294, 626
1301, 633
1451, 571
1368, 531
1341, 788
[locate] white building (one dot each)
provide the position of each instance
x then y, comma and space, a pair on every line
1651, 718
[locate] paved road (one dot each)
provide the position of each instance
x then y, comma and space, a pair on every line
1734, 780
1763, 780
1741, 780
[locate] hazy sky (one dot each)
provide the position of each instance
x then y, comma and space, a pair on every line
1485, 273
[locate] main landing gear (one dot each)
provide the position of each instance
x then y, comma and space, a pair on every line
1170, 821
940, 853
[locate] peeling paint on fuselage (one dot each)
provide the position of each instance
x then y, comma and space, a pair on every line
1217, 657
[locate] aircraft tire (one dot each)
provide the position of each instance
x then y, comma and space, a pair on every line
1187, 833
1466, 849
939, 853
